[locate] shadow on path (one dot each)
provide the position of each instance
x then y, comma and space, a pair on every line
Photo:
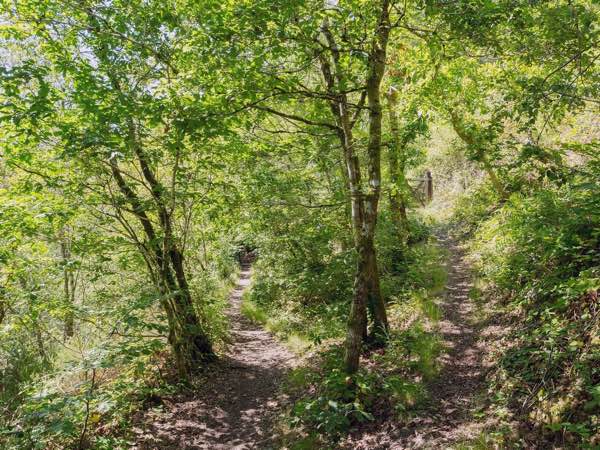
448, 418
235, 407
456, 392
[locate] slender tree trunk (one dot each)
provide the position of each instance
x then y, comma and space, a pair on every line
192, 340
375, 303
357, 320
68, 286
191, 346
346, 242
2, 304
364, 280
377, 62
492, 176
397, 167
364, 205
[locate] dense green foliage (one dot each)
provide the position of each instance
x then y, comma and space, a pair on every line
539, 255
144, 142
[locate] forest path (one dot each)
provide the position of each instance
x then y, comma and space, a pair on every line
234, 408
457, 392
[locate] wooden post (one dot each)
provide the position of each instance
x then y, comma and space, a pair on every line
428, 185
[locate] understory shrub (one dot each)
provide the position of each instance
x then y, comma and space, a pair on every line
98, 380
390, 382
310, 296
540, 255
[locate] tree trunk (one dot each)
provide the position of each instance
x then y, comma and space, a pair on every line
377, 62
357, 320
68, 286
2, 304
492, 176
397, 167
164, 258
364, 205
375, 303
190, 345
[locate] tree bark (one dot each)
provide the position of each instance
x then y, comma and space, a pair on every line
364, 205
190, 345
357, 319
397, 168
194, 343
68, 286
2, 304
377, 62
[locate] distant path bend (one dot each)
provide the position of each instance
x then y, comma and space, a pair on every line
235, 407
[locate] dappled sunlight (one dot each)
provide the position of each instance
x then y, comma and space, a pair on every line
299, 224
235, 405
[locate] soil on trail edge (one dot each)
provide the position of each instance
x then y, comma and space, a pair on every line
236, 405
447, 419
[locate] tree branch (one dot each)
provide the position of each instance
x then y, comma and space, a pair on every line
295, 117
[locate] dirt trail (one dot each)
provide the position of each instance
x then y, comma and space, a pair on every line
448, 417
235, 406
454, 394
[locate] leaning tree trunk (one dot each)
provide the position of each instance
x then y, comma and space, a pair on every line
190, 344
